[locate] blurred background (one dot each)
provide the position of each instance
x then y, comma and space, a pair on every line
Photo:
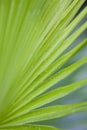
76, 121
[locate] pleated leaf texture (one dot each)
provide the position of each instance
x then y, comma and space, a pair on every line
34, 37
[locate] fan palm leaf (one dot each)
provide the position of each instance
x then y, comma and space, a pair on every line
34, 37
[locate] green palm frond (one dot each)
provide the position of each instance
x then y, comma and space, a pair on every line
34, 37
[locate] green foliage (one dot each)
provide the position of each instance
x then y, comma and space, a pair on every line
34, 37
30, 127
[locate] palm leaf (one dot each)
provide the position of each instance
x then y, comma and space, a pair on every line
31, 127
34, 37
